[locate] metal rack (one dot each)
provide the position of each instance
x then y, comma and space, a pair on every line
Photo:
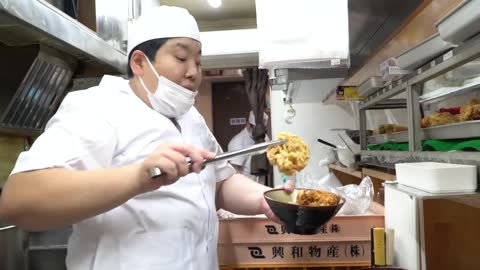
412, 85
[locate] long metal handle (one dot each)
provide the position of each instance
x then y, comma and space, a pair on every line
156, 172
246, 151
7, 228
326, 143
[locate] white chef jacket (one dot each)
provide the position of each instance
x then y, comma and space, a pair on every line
240, 141
174, 227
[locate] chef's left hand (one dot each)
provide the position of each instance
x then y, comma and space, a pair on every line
289, 186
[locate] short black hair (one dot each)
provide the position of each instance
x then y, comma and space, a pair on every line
149, 48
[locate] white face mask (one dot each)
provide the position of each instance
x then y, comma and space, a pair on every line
170, 99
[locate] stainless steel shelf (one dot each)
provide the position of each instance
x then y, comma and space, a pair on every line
390, 104
462, 130
422, 52
384, 94
411, 84
449, 91
388, 159
448, 61
390, 137
384, 159
457, 157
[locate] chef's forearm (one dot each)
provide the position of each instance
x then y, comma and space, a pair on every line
240, 195
44, 199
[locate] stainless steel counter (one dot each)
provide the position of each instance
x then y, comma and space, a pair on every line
21, 250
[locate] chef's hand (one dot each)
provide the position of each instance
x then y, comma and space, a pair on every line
170, 158
289, 186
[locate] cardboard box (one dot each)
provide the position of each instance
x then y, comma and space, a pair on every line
321, 253
348, 93
258, 241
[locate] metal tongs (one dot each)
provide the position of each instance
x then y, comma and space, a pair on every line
254, 149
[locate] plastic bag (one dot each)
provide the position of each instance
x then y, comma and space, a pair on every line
358, 197
310, 181
331, 181
328, 159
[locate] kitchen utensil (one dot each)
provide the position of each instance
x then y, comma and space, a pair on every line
345, 157
299, 219
254, 149
346, 144
326, 143
6, 228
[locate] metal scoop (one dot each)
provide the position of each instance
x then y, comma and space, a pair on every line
252, 150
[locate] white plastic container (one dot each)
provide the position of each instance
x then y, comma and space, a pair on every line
436, 177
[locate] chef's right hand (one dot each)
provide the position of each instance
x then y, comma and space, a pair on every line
170, 158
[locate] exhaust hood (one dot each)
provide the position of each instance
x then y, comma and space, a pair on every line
370, 23
302, 33
41, 48
229, 48
25, 22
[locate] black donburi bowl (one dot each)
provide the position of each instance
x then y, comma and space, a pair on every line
300, 219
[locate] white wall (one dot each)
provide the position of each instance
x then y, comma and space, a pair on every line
313, 120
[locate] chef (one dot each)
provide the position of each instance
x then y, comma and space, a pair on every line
90, 166
242, 140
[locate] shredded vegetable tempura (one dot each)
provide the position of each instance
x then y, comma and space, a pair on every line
316, 198
291, 156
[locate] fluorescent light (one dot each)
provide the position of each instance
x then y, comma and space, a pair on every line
215, 3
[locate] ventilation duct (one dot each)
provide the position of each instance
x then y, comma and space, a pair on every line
33, 86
